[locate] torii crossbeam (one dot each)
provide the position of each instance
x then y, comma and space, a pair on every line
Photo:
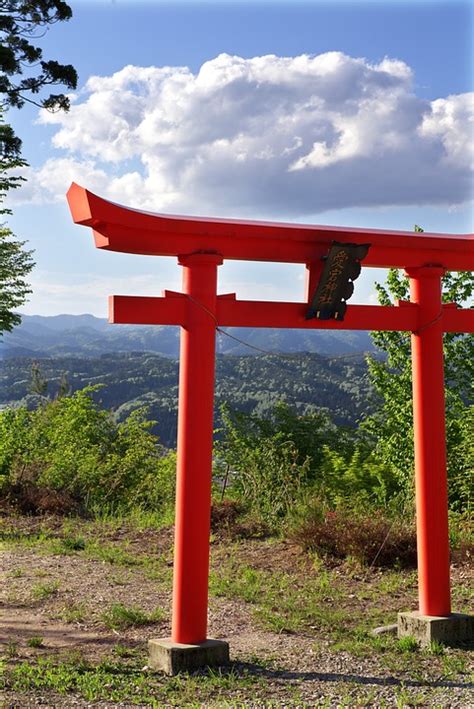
201, 245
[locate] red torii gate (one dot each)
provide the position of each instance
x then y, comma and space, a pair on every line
201, 245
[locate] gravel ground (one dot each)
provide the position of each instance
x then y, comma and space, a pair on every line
289, 669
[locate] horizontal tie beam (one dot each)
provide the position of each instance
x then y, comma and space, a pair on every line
172, 308
143, 310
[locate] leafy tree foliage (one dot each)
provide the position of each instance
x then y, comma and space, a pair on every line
23, 75
10, 147
391, 427
22, 23
15, 264
38, 384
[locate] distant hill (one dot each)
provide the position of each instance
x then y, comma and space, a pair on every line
88, 336
307, 381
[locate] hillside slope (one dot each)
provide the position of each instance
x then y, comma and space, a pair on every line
307, 381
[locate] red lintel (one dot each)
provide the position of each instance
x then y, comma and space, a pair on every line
118, 228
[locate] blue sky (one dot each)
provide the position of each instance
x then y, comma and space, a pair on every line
370, 129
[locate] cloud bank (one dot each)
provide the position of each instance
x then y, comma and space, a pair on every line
265, 136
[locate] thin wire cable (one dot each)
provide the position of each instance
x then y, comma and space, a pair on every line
402, 339
389, 531
282, 355
430, 323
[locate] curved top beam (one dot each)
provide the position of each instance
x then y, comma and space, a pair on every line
119, 228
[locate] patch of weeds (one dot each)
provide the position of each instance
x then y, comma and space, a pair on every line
16, 574
12, 537
11, 649
404, 698
214, 681
454, 665
360, 642
407, 644
242, 582
41, 573
13, 598
120, 579
111, 553
284, 603
273, 620
436, 648
73, 613
463, 597
159, 570
119, 617
142, 520
268, 663
73, 543
42, 591
109, 682
35, 641
396, 582
125, 651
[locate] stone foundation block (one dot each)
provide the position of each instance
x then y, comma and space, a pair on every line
454, 629
167, 656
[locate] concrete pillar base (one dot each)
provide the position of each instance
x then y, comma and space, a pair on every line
167, 656
450, 630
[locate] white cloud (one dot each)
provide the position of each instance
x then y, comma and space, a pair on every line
84, 293
263, 136
50, 182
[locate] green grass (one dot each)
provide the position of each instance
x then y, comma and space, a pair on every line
112, 554
408, 644
137, 519
43, 591
455, 665
121, 650
90, 544
119, 617
35, 641
119, 680
436, 648
16, 574
73, 613
73, 543
11, 649
282, 602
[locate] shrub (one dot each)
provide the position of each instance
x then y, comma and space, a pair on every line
370, 538
229, 519
278, 464
70, 454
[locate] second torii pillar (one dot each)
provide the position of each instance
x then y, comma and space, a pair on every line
189, 647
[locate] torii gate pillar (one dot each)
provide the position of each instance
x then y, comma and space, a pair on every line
195, 431
430, 443
189, 646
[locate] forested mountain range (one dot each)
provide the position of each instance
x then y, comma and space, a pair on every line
88, 336
253, 383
